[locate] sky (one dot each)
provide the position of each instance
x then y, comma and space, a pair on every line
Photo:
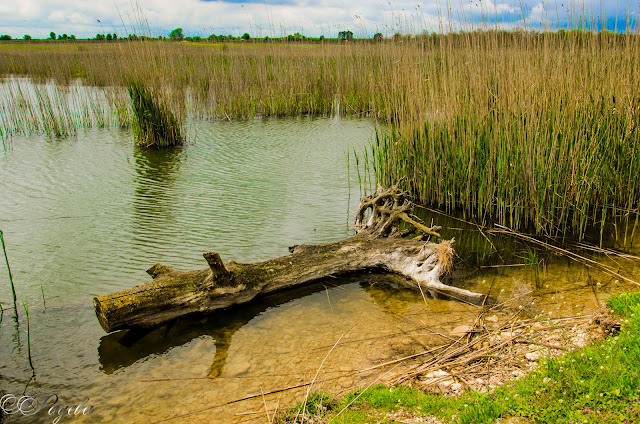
275, 18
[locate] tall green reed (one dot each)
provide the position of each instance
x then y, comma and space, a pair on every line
539, 134
545, 168
13, 288
26, 311
27, 107
154, 124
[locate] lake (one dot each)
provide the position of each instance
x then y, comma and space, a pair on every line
88, 214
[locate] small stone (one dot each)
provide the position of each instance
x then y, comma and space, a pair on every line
456, 387
537, 327
439, 377
532, 356
506, 335
237, 368
461, 330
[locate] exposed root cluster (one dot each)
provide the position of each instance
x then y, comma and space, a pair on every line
389, 208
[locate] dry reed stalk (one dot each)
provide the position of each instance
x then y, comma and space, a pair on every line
266, 410
306, 397
466, 355
579, 258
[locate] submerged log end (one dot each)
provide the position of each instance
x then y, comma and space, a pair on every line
158, 269
102, 319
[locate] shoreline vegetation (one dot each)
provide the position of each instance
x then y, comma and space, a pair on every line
599, 382
536, 131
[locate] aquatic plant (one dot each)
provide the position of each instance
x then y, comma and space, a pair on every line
28, 107
154, 124
13, 288
26, 311
553, 164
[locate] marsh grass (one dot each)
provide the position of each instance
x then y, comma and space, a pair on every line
28, 108
13, 287
537, 131
26, 312
154, 124
530, 258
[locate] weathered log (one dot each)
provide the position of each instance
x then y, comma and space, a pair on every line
378, 245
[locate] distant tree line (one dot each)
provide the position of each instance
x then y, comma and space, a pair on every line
342, 36
52, 36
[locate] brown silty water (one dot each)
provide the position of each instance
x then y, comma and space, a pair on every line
87, 215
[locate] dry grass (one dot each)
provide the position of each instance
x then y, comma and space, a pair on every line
533, 131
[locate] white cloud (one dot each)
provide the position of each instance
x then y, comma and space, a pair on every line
276, 17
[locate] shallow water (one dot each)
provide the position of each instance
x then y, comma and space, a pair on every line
87, 215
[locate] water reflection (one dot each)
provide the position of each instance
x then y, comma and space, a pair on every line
154, 200
387, 291
124, 348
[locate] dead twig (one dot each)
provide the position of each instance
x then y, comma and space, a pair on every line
306, 397
578, 258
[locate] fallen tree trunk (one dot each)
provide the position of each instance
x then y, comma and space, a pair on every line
380, 244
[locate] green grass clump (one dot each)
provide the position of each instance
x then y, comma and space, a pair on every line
317, 405
599, 383
384, 399
154, 124
625, 304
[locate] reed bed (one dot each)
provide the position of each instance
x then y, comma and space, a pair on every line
531, 130
154, 124
540, 135
59, 111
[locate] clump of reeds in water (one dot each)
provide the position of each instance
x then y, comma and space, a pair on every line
27, 107
549, 168
154, 124
537, 132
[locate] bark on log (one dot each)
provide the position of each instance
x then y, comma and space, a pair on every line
378, 245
